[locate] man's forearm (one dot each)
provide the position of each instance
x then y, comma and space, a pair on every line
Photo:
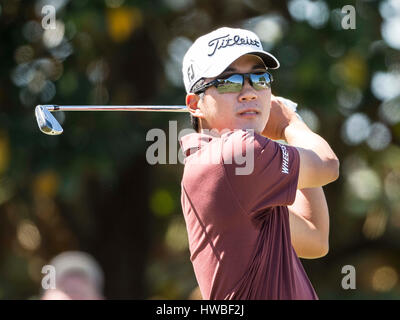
309, 223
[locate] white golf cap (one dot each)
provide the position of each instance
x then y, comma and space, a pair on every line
213, 52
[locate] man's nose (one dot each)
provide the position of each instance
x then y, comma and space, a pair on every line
247, 93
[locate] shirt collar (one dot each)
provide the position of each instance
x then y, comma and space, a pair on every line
193, 142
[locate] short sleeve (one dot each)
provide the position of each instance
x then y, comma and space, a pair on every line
261, 172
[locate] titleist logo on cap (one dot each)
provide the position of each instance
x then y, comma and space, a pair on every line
228, 41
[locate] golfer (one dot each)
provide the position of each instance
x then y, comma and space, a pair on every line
247, 230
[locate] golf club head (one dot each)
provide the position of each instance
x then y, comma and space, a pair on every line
46, 121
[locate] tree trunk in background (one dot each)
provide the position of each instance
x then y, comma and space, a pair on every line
122, 238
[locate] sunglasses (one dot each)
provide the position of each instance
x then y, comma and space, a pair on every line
234, 82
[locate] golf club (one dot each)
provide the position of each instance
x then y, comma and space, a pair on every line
49, 125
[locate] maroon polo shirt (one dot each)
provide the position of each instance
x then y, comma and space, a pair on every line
238, 224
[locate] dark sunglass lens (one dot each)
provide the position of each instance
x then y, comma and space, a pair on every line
230, 84
261, 81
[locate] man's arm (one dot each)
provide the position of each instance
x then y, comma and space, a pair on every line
318, 163
309, 218
309, 223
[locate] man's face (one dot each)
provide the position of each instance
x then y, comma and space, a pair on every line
228, 110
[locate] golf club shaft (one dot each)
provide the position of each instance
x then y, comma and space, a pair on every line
53, 108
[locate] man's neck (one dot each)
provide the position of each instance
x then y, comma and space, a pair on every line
211, 132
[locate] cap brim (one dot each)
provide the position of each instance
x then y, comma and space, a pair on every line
269, 60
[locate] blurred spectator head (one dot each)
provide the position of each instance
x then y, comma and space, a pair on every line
78, 277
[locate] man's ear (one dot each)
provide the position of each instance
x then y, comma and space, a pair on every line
192, 101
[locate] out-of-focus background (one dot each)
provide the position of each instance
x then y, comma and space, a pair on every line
92, 189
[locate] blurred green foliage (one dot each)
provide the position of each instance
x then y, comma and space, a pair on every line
92, 189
